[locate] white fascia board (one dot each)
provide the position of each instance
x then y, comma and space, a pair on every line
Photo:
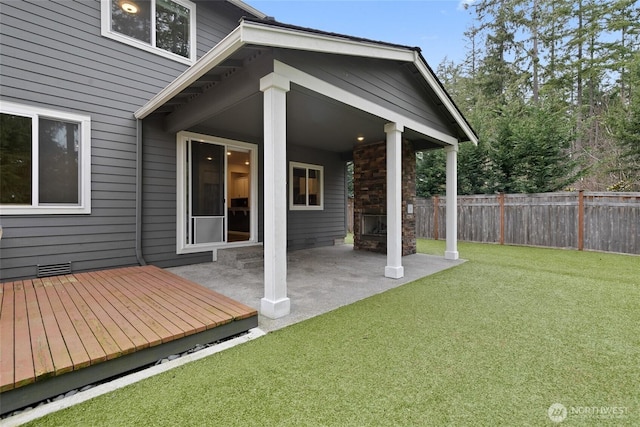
313, 83
227, 46
266, 35
247, 8
431, 79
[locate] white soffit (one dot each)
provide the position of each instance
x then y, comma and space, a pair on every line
227, 46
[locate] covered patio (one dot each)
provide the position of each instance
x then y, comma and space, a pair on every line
297, 99
319, 280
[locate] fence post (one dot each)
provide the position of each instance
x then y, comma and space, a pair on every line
501, 199
580, 220
435, 217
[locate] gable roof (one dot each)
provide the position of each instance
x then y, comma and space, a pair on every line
247, 8
269, 33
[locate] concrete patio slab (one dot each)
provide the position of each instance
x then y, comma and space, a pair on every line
319, 280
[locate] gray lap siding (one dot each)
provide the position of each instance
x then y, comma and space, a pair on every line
54, 57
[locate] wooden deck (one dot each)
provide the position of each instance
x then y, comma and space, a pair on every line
60, 333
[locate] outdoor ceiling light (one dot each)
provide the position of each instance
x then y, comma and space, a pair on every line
129, 6
360, 138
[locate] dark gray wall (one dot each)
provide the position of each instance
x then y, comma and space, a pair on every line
319, 228
54, 56
381, 81
305, 228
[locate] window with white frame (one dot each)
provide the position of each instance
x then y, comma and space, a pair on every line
45, 161
306, 186
165, 27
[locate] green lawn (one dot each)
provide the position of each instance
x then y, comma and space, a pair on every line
495, 341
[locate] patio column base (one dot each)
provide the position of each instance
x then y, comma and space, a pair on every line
451, 255
394, 272
275, 309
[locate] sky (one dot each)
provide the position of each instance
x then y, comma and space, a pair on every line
435, 26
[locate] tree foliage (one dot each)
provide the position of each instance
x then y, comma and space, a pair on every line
552, 87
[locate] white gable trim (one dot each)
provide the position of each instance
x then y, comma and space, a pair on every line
433, 83
268, 35
310, 82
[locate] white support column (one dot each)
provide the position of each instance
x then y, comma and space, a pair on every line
451, 251
275, 303
394, 268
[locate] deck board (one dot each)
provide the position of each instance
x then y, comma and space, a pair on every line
136, 339
58, 325
42, 360
72, 341
7, 342
24, 372
59, 354
80, 323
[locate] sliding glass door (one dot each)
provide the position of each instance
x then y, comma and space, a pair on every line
216, 187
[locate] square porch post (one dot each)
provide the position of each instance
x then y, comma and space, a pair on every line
394, 268
275, 303
451, 251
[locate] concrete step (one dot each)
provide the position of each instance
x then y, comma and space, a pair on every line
248, 264
242, 258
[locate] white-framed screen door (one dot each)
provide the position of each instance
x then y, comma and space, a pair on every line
207, 187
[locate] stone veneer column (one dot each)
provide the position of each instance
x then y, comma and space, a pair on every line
408, 198
369, 185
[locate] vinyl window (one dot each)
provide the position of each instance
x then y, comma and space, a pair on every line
45, 161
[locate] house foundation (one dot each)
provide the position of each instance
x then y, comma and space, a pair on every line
370, 198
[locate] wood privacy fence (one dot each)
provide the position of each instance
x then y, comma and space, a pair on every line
607, 222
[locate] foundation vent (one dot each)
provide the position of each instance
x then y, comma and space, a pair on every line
54, 269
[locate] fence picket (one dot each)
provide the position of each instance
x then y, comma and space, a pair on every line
598, 221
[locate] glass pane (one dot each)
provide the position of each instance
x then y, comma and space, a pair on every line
314, 187
15, 159
172, 27
299, 186
207, 179
58, 156
132, 18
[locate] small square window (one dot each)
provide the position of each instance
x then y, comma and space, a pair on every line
45, 161
165, 27
306, 186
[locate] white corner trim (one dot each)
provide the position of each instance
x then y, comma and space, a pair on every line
431, 79
310, 82
227, 46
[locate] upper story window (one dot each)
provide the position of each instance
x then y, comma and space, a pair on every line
45, 161
306, 186
165, 27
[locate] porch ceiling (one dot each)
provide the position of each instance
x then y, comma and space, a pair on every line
313, 120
